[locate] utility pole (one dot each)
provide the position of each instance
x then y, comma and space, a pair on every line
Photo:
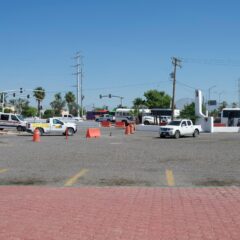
239, 92
79, 76
176, 63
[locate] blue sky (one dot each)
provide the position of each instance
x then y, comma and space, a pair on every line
127, 47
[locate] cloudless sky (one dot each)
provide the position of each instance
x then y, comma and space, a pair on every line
127, 47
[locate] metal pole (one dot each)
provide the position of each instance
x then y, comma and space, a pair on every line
81, 92
3, 102
78, 80
176, 63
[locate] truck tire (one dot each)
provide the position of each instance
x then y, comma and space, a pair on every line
19, 128
195, 133
146, 123
162, 136
177, 134
70, 131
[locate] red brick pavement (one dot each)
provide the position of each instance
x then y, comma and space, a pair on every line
34, 213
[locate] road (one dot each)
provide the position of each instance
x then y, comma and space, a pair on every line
116, 159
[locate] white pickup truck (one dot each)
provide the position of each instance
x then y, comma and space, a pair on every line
70, 118
53, 125
178, 128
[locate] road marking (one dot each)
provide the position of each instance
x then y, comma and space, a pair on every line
170, 178
2, 170
73, 179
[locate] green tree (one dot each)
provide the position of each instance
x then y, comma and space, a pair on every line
19, 104
29, 111
70, 99
154, 98
222, 105
234, 105
58, 104
48, 113
189, 112
138, 102
39, 94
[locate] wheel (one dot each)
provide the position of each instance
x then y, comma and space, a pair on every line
162, 136
196, 133
19, 128
146, 123
1, 129
177, 134
125, 122
70, 131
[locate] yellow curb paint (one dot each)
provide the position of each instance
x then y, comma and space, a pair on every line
73, 179
2, 170
170, 178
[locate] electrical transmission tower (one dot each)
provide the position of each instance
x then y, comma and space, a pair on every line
79, 78
176, 63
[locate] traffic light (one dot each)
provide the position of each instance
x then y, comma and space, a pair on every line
110, 95
28, 96
100, 96
21, 91
14, 94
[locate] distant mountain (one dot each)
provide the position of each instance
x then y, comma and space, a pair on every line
183, 101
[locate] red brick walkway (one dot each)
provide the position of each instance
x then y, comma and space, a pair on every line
32, 213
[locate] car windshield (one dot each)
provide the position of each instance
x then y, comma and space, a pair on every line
20, 117
175, 123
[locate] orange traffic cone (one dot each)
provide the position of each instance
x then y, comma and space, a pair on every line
131, 128
36, 135
127, 130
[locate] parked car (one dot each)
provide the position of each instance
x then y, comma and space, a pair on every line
178, 128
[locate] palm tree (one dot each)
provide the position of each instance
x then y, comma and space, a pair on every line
19, 104
39, 94
70, 99
57, 104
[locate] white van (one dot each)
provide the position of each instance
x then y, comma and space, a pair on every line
10, 120
124, 115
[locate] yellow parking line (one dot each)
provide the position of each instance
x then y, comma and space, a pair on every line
170, 178
2, 170
73, 179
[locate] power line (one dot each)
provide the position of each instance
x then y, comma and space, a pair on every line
124, 86
212, 61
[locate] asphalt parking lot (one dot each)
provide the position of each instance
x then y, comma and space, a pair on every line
116, 159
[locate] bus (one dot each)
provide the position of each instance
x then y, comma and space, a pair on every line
165, 112
230, 117
127, 114
91, 115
